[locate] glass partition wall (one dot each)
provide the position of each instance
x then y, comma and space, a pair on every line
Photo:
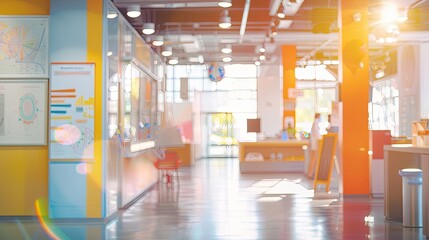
133, 109
224, 106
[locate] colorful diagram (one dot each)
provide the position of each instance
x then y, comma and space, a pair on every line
23, 118
23, 47
28, 111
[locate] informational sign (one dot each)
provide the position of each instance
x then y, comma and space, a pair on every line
24, 47
23, 114
72, 111
293, 92
289, 104
184, 89
325, 161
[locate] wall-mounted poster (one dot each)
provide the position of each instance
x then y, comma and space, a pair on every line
24, 47
72, 111
23, 112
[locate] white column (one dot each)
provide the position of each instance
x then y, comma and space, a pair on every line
424, 80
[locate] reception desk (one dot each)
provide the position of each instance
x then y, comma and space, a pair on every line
395, 159
273, 156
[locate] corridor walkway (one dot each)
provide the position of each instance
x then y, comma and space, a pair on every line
214, 201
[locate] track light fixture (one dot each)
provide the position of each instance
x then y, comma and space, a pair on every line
133, 11
281, 13
274, 31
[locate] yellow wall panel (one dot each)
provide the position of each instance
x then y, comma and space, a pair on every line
95, 52
23, 170
24, 7
23, 179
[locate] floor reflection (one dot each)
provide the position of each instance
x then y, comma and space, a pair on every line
214, 201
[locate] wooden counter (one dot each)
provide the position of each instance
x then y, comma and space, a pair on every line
395, 159
277, 156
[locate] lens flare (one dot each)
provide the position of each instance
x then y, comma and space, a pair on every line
41, 208
67, 134
84, 168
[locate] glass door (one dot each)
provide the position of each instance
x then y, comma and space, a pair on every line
220, 138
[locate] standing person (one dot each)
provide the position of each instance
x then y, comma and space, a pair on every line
314, 145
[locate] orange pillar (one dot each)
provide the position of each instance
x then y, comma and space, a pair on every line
354, 75
289, 62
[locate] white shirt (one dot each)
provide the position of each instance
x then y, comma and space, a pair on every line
315, 134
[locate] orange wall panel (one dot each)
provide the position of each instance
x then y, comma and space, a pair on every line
354, 92
289, 63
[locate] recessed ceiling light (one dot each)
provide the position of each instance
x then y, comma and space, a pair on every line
133, 11
225, 3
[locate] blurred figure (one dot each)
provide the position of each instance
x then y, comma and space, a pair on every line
314, 145
290, 131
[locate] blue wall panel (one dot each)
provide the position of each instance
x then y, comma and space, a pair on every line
68, 25
67, 43
67, 191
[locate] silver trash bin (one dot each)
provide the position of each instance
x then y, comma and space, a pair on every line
412, 208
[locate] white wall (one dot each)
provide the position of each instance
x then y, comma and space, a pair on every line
408, 85
270, 98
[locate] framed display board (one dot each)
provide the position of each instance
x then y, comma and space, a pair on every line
72, 111
23, 112
24, 47
325, 161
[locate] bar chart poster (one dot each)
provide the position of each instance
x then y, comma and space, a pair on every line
23, 114
72, 111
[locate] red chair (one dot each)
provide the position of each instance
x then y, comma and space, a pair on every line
168, 167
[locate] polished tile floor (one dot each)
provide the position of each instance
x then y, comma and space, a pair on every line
215, 201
